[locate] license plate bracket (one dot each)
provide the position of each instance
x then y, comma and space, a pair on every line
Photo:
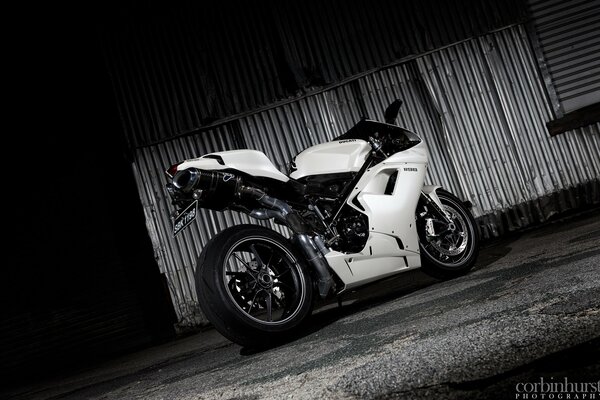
185, 218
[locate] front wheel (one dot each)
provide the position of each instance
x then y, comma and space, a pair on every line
252, 285
450, 249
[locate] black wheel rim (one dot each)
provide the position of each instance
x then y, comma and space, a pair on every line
264, 280
453, 246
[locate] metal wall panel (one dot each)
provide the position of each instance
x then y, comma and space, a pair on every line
480, 106
183, 68
569, 35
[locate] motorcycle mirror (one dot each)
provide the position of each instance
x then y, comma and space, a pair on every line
391, 112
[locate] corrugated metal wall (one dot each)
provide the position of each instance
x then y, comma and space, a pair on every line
480, 105
569, 36
182, 68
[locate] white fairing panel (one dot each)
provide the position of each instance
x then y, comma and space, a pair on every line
332, 157
393, 243
251, 162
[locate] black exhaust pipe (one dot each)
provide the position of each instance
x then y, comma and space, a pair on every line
281, 211
215, 190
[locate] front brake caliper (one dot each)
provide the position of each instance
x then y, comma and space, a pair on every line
429, 228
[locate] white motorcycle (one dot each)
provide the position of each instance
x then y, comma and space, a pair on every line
357, 209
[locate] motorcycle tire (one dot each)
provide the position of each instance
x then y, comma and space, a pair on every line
453, 254
252, 285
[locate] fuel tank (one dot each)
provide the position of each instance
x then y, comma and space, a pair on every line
331, 157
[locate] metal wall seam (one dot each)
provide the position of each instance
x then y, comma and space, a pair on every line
509, 100
529, 114
435, 74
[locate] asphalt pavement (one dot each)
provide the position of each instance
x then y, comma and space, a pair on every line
528, 313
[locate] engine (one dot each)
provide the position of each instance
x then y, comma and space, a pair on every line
327, 192
348, 233
353, 229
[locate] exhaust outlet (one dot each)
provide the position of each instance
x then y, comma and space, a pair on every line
215, 190
186, 180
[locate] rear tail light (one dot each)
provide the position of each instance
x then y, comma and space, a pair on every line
172, 170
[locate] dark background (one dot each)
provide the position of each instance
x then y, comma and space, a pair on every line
80, 282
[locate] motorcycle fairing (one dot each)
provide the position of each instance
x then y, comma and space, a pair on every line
251, 162
393, 243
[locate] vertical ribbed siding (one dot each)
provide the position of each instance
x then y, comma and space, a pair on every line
183, 68
479, 105
342, 38
181, 71
569, 34
479, 137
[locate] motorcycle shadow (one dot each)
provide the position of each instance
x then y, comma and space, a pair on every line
364, 298
328, 312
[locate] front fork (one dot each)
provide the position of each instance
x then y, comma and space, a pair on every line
430, 199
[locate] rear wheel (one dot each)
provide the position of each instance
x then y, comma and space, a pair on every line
252, 285
450, 249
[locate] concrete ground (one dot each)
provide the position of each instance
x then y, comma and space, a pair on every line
530, 310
